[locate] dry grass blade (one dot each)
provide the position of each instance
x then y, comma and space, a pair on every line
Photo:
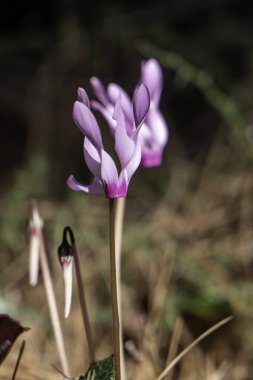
58, 370
192, 345
91, 375
177, 332
21, 351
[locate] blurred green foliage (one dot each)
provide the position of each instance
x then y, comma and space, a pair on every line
104, 370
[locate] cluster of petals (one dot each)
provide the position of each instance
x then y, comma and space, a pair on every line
107, 180
154, 131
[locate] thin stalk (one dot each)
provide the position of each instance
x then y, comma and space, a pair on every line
21, 351
81, 294
192, 345
175, 339
119, 220
114, 290
54, 315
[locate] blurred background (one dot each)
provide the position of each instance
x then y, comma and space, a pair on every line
188, 244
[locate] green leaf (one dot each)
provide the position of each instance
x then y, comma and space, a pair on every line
100, 370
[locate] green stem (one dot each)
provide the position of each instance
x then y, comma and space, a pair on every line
114, 290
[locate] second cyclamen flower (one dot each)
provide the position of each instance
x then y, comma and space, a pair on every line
154, 133
107, 180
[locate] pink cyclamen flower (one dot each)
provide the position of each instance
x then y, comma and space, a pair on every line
106, 180
154, 132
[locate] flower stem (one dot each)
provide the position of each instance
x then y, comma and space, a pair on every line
53, 310
119, 220
82, 300
114, 290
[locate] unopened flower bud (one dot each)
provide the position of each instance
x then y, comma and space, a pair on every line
35, 224
65, 256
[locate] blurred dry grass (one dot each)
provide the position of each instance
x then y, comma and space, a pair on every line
187, 263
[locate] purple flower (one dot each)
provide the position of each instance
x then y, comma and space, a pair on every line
155, 136
154, 131
106, 180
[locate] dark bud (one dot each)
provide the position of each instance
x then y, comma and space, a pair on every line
65, 249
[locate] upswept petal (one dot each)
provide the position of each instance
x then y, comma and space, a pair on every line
106, 112
83, 97
124, 145
123, 184
86, 122
92, 158
145, 133
109, 175
99, 90
158, 127
114, 90
152, 77
141, 104
95, 187
151, 157
135, 160
118, 114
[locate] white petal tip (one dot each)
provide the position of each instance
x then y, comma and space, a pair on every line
34, 258
67, 278
66, 313
33, 283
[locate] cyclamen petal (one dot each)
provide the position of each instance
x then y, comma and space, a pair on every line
34, 257
99, 90
106, 112
109, 175
158, 127
124, 145
92, 158
114, 90
151, 158
95, 187
67, 264
141, 104
152, 77
123, 183
135, 160
83, 97
87, 123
